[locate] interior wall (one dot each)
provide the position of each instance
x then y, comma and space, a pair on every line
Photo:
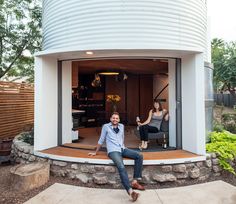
146, 96
159, 82
133, 102
136, 96
115, 87
137, 92
74, 75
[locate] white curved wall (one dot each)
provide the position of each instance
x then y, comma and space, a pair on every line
75, 25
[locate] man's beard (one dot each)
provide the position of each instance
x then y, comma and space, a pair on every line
114, 123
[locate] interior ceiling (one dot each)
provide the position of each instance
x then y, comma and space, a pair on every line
139, 66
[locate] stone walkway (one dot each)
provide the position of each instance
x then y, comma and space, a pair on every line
217, 192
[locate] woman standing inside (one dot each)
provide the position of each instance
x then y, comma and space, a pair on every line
152, 124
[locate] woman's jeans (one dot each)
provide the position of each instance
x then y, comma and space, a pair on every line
145, 129
117, 158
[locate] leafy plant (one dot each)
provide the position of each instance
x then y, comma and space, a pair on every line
229, 122
28, 137
217, 127
224, 60
20, 37
224, 145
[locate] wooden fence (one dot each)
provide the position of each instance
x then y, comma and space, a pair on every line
16, 108
226, 100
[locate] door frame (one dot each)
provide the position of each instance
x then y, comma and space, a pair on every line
178, 94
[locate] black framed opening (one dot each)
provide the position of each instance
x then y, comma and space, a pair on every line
87, 78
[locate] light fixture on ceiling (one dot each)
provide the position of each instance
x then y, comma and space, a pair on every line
118, 74
89, 53
108, 73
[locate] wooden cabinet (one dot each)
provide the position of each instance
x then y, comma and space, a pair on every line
136, 96
132, 99
90, 99
114, 87
74, 76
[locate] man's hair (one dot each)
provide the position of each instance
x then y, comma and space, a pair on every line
115, 113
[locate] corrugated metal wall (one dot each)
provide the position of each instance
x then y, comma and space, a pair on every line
124, 24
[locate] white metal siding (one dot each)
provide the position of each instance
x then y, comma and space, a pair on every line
124, 24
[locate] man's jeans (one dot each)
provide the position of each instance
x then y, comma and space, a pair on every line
117, 158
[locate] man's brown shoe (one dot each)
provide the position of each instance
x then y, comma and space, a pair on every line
134, 196
137, 186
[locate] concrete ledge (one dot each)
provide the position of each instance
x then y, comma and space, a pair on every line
126, 161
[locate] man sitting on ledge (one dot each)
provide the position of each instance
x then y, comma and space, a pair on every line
113, 134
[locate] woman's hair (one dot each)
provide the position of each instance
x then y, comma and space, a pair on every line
160, 106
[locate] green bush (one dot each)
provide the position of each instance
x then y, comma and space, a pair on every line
217, 127
224, 145
28, 137
229, 122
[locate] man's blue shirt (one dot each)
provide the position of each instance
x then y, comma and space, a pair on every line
114, 141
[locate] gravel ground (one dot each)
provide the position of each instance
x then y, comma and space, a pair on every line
9, 196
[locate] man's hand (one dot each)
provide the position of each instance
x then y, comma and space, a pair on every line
139, 124
92, 153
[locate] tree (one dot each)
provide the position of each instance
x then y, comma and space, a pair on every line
224, 60
20, 32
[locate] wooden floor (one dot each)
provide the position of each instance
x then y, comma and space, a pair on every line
69, 152
89, 138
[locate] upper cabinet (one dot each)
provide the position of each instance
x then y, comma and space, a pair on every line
75, 73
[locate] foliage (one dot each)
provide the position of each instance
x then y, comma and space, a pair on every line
229, 122
28, 137
224, 60
224, 119
217, 127
20, 32
224, 144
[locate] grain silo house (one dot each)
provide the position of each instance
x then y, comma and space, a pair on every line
130, 51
